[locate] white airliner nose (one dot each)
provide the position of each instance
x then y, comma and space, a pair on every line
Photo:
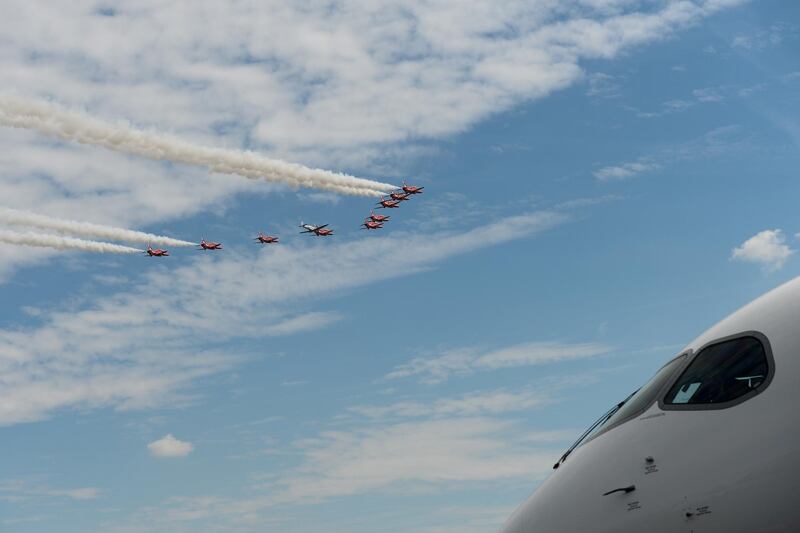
709, 444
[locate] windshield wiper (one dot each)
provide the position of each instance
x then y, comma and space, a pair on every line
600, 421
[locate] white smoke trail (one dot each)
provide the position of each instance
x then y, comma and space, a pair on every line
63, 243
84, 229
73, 126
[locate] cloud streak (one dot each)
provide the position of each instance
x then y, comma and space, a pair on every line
713, 143
625, 170
126, 351
341, 463
18, 490
466, 361
475, 404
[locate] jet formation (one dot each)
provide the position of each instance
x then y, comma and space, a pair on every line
372, 222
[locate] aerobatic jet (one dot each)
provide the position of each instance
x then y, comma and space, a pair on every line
266, 239
389, 204
210, 245
156, 253
378, 218
371, 224
319, 231
412, 189
400, 196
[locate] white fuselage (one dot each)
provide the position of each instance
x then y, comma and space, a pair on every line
716, 470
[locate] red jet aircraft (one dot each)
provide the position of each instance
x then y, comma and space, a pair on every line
400, 196
412, 189
389, 204
378, 218
266, 239
156, 253
210, 245
371, 224
319, 231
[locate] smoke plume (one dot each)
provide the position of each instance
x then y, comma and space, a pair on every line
57, 242
84, 229
56, 121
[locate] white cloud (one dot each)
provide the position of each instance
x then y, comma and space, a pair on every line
624, 171
18, 490
769, 37
537, 353
304, 322
708, 94
88, 493
704, 95
340, 463
767, 248
750, 90
603, 85
474, 404
23, 520
299, 75
432, 370
439, 368
711, 144
169, 446
669, 107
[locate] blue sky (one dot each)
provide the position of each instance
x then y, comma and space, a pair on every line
604, 180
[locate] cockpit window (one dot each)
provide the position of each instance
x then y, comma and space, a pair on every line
634, 404
647, 394
722, 373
